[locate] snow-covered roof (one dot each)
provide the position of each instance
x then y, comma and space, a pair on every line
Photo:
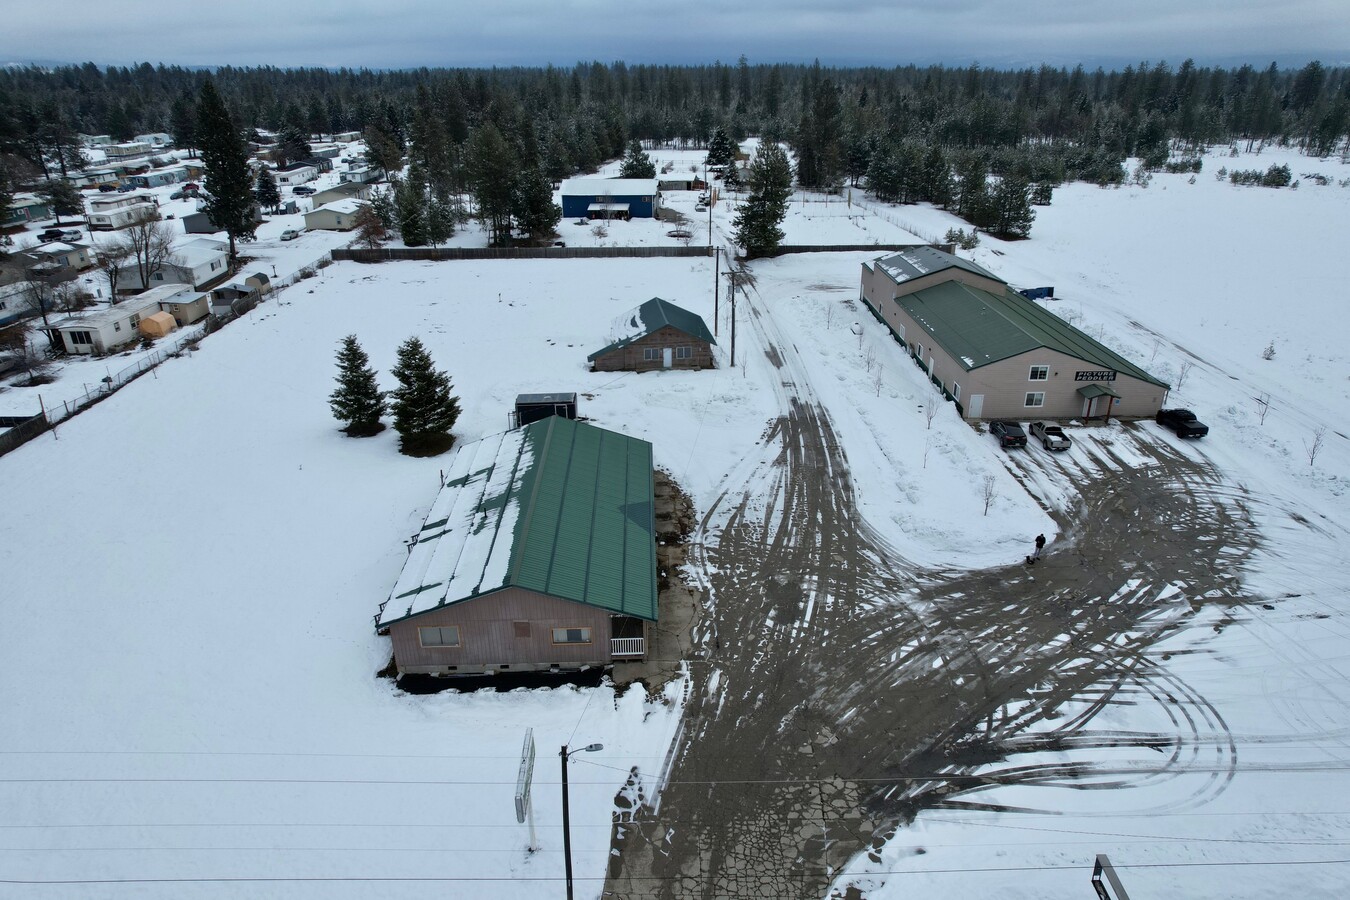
609, 187
195, 253
134, 306
55, 248
347, 206
917, 261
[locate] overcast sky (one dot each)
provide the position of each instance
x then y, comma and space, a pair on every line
408, 33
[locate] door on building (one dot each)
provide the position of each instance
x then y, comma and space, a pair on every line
667, 357
976, 405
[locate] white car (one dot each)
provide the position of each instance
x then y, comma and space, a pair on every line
290, 234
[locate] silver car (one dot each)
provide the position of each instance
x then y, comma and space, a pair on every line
1051, 436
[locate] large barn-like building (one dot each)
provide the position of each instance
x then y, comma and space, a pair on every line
997, 354
611, 198
539, 554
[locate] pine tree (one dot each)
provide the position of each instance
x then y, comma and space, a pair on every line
1011, 208
439, 220
492, 171
183, 122
721, 150
535, 210
292, 146
424, 409
636, 163
63, 197
410, 212
267, 193
229, 186
382, 204
358, 400
770, 186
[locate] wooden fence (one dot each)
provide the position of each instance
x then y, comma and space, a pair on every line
21, 431
460, 253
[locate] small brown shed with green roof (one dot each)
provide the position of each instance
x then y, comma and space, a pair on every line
538, 554
995, 353
656, 335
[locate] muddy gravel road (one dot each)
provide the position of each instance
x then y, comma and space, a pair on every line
839, 689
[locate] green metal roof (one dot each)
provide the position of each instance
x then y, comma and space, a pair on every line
978, 328
918, 261
559, 507
652, 316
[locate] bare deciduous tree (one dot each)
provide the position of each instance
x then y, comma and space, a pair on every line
987, 486
112, 259
1315, 446
1183, 371
1262, 407
43, 296
149, 245
929, 413
16, 341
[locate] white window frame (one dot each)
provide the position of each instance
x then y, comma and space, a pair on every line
87, 335
1034, 399
1044, 373
901, 327
440, 643
956, 390
583, 631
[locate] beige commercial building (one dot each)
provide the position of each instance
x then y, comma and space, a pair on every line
994, 352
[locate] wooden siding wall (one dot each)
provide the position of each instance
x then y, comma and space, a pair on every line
488, 637
631, 358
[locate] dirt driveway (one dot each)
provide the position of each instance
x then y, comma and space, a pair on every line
839, 689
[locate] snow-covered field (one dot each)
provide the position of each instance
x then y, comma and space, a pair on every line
190, 569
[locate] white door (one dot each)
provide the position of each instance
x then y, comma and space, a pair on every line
667, 356
976, 405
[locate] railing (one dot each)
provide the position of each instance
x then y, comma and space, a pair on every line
628, 646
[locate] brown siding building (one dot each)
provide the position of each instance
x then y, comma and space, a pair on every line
994, 352
656, 335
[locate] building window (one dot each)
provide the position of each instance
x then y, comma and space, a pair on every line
571, 635
439, 636
1035, 398
117, 326
1039, 373
901, 330
956, 390
135, 320
684, 352
159, 276
81, 337
651, 354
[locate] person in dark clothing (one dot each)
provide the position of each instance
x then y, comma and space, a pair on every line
1040, 545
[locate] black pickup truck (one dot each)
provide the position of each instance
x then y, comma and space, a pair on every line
1183, 422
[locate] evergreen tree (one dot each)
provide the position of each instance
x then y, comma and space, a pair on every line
292, 146
1011, 208
229, 186
721, 150
439, 220
63, 197
267, 193
972, 190
358, 400
410, 212
383, 205
636, 163
731, 177
770, 186
492, 176
183, 122
535, 210
424, 409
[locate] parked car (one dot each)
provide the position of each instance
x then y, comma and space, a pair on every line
106, 188
290, 234
177, 195
125, 188
1051, 436
1009, 434
191, 187
560, 243
302, 190
700, 207
1183, 422
51, 234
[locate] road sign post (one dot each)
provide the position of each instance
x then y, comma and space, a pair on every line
524, 780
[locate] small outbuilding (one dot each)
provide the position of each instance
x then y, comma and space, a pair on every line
533, 407
656, 335
539, 554
340, 215
611, 198
157, 325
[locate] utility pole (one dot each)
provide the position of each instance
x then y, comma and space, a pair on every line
564, 755
733, 318
717, 285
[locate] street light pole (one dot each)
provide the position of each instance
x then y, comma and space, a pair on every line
565, 755
717, 286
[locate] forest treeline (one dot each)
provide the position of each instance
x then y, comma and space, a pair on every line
884, 127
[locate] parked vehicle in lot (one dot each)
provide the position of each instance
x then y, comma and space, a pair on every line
1183, 422
1009, 434
191, 188
700, 207
1051, 436
51, 234
290, 234
177, 195
302, 190
125, 188
106, 188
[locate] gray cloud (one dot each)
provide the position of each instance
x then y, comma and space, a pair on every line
404, 33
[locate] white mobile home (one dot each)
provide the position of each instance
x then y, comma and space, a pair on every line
196, 263
108, 328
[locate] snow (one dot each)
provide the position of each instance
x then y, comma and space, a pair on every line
189, 669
